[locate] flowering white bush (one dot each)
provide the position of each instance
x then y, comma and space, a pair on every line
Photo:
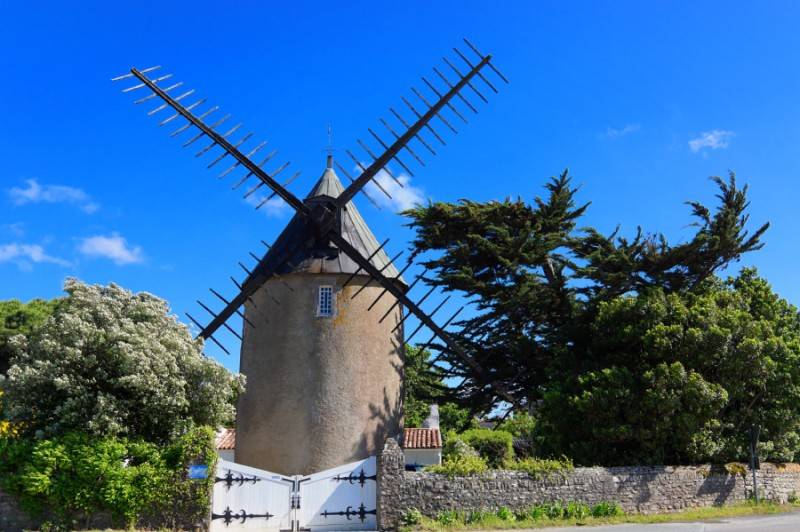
111, 362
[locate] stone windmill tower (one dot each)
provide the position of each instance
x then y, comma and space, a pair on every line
325, 376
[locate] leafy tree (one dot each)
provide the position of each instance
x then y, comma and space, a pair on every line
18, 318
545, 290
683, 377
424, 385
111, 362
523, 426
21, 318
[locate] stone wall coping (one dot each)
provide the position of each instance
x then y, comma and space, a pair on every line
704, 470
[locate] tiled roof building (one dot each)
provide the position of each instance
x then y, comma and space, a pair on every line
226, 440
414, 438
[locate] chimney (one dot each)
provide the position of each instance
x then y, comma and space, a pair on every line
433, 418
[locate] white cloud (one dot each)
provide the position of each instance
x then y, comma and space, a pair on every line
36, 193
113, 247
714, 140
402, 197
274, 207
613, 133
25, 254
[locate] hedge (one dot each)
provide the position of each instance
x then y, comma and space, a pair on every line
75, 476
494, 446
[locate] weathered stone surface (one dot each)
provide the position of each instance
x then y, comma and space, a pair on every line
636, 489
12, 517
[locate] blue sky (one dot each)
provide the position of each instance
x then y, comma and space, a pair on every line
641, 100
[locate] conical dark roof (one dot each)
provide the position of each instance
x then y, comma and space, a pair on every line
330, 260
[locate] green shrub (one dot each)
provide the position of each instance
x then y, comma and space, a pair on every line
577, 510
75, 476
735, 468
540, 468
456, 466
550, 510
411, 517
494, 446
554, 510
523, 428
447, 517
522, 425
505, 514
607, 509
476, 516
536, 512
454, 445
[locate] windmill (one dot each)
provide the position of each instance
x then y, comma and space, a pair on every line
325, 222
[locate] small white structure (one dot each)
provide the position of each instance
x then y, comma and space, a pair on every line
226, 444
423, 446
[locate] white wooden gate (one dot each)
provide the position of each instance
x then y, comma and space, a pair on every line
342, 498
246, 498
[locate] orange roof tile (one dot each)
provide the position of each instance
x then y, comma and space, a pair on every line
226, 439
422, 439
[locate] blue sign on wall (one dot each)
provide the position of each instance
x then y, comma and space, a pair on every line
198, 472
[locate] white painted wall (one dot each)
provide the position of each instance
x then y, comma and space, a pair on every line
423, 457
226, 454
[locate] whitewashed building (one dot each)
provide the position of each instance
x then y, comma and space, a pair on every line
226, 444
423, 446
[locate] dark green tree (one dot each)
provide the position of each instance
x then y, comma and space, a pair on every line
681, 378
424, 385
17, 317
542, 286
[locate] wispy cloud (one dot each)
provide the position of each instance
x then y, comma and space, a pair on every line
113, 247
17, 229
402, 197
713, 140
25, 254
627, 129
34, 192
275, 207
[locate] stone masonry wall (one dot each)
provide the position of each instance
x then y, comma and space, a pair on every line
14, 519
636, 489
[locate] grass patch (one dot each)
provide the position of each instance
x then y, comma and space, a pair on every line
572, 514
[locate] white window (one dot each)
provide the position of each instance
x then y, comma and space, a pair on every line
325, 301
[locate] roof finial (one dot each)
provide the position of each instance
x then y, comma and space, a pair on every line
329, 149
